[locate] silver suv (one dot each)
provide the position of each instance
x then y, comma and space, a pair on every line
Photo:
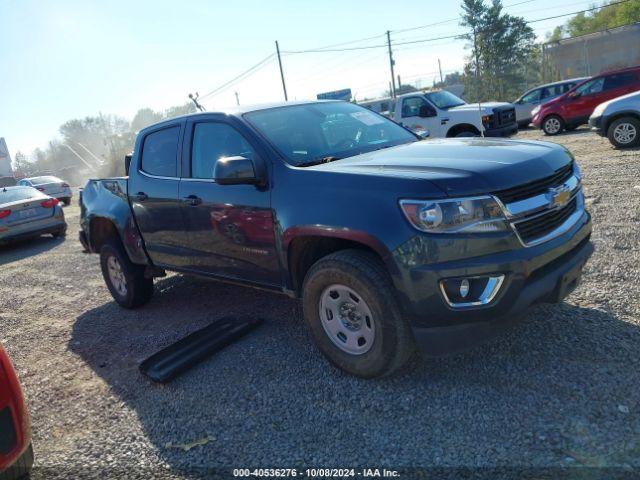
619, 120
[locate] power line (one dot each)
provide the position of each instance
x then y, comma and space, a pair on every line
243, 75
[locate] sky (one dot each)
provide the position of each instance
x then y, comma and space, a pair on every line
76, 58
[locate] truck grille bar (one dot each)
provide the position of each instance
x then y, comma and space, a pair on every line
536, 187
538, 227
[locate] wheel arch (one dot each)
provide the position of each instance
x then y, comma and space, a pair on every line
101, 231
305, 246
617, 115
462, 127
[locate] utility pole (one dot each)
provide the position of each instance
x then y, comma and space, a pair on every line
194, 99
440, 68
391, 63
284, 86
237, 98
475, 53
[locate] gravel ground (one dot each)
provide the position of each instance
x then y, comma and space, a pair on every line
561, 389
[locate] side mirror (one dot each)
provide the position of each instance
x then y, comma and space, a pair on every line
423, 134
234, 171
127, 163
426, 111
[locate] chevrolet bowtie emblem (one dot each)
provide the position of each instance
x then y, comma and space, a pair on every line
559, 196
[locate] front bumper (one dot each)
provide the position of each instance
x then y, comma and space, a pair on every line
502, 131
542, 273
595, 124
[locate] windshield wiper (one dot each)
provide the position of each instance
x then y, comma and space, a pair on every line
318, 161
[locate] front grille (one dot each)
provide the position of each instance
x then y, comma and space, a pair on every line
536, 187
506, 116
537, 227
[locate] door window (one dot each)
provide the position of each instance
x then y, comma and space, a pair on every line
411, 106
593, 86
212, 141
619, 80
160, 152
552, 91
531, 97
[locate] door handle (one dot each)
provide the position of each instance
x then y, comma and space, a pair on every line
192, 200
140, 196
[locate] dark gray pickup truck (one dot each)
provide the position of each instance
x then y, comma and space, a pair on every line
390, 241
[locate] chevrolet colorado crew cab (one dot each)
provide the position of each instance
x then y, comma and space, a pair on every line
389, 240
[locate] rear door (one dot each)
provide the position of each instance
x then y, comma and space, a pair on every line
153, 194
580, 107
230, 227
620, 84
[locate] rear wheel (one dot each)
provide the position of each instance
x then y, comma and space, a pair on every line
66, 201
59, 233
624, 132
553, 125
126, 281
354, 316
466, 133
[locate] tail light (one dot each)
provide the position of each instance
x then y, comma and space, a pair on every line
41, 189
14, 422
50, 203
5, 213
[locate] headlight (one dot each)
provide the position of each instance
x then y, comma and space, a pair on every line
475, 214
536, 110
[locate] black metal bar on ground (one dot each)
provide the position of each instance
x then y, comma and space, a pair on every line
180, 356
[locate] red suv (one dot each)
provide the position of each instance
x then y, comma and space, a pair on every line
16, 454
573, 108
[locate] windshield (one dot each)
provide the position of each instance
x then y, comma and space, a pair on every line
41, 180
316, 132
444, 99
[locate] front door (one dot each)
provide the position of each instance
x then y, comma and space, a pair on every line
153, 193
230, 230
411, 119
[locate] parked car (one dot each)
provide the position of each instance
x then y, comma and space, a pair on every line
541, 94
442, 114
573, 108
387, 239
619, 120
26, 212
50, 185
16, 452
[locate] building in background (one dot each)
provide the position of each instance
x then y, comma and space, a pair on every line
5, 160
591, 54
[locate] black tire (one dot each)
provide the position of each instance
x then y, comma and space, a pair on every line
60, 233
137, 289
550, 127
365, 274
633, 132
21, 469
66, 201
465, 134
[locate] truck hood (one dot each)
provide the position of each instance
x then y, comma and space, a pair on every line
465, 166
486, 108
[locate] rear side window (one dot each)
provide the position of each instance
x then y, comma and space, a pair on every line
16, 194
531, 97
590, 87
619, 80
160, 152
411, 106
212, 141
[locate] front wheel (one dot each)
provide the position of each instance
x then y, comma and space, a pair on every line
354, 316
624, 132
126, 281
553, 125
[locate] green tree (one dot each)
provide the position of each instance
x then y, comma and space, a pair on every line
608, 16
504, 56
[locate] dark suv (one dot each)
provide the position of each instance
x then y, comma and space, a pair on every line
388, 240
573, 109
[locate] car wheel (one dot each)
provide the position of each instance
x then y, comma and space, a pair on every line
66, 201
59, 233
466, 133
353, 315
553, 125
126, 281
624, 132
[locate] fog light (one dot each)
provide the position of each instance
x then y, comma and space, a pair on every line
470, 291
464, 288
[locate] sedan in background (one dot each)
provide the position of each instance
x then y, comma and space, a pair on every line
50, 185
16, 452
538, 95
619, 120
26, 212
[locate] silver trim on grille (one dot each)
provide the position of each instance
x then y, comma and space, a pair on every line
539, 202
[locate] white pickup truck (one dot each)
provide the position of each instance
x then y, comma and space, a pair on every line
442, 114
